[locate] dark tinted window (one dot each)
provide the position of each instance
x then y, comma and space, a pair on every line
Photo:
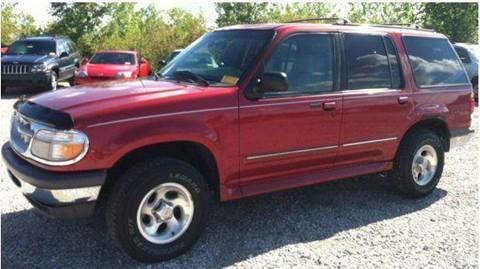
367, 64
32, 47
307, 60
113, 58
463, 54
394, 64
434, 62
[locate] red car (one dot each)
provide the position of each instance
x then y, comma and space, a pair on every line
243, 111
109, 65
4, 50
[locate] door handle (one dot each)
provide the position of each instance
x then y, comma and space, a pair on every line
324, 105
329, 106
402, 99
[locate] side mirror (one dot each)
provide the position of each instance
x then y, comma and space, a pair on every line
273, 82
64, 54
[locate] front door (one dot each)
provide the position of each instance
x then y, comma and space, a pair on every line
296, 131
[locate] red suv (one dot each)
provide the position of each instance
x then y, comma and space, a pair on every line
242, 111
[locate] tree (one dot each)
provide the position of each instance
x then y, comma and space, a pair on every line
386, 13
15, 25
247, 13
77, 19
458, 21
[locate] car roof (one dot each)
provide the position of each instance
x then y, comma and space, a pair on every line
362, 28
46, 38
117, 51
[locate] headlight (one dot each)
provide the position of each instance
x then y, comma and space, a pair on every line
39, 67
124, 74
82, 74
59, 146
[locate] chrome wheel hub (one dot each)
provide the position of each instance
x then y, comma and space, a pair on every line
424, 165
165, 213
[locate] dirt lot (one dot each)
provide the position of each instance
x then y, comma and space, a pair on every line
355, 223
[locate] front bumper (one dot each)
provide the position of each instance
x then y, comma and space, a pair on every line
26, 80
58, 194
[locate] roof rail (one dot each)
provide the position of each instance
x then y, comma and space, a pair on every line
334, 19
398, 26
343, 21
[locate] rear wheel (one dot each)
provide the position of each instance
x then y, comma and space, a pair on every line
419, 163
158, 209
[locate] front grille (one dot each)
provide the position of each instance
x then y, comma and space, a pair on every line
15, 69
20, 133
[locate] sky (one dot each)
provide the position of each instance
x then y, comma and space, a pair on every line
39, 8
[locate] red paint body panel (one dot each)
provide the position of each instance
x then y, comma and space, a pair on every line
245, 135
106, 72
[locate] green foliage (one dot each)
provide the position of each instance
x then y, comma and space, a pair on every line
15, 25
386, 13
458, 21
247, 13
121, 26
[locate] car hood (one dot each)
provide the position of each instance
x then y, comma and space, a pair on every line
94, 100
107, 70
25, 59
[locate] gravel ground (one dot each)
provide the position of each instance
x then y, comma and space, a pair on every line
354, 223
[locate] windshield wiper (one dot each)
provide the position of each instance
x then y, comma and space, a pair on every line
189, 75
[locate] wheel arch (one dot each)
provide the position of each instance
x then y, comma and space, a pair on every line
435, 124
196, 154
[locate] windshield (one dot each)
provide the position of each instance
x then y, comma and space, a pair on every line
32, 47
113, 58
220, 57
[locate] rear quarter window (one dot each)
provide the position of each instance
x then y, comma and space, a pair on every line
434, 62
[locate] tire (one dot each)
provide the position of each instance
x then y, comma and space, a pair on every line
52, 82
132, 190
427, 146
71, 81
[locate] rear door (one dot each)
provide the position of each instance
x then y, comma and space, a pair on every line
295, 131
376, 101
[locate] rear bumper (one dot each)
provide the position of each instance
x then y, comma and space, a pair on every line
58, 194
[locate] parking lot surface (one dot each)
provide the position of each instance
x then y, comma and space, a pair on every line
354, 223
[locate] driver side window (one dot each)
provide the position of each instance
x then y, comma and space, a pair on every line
307, 60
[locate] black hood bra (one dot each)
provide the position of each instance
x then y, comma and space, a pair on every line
50, 117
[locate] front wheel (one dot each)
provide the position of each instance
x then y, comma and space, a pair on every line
158, 209
53, 82
419, 163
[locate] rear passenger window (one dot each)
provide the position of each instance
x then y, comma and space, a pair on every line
434, 62
307, 60
397, 81
367, 63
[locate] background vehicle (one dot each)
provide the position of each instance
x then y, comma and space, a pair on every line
4, 49
40, 61
111, 65
244, 110
170, 57
469, 54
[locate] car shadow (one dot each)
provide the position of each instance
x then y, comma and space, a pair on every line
236, 230
15, 92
